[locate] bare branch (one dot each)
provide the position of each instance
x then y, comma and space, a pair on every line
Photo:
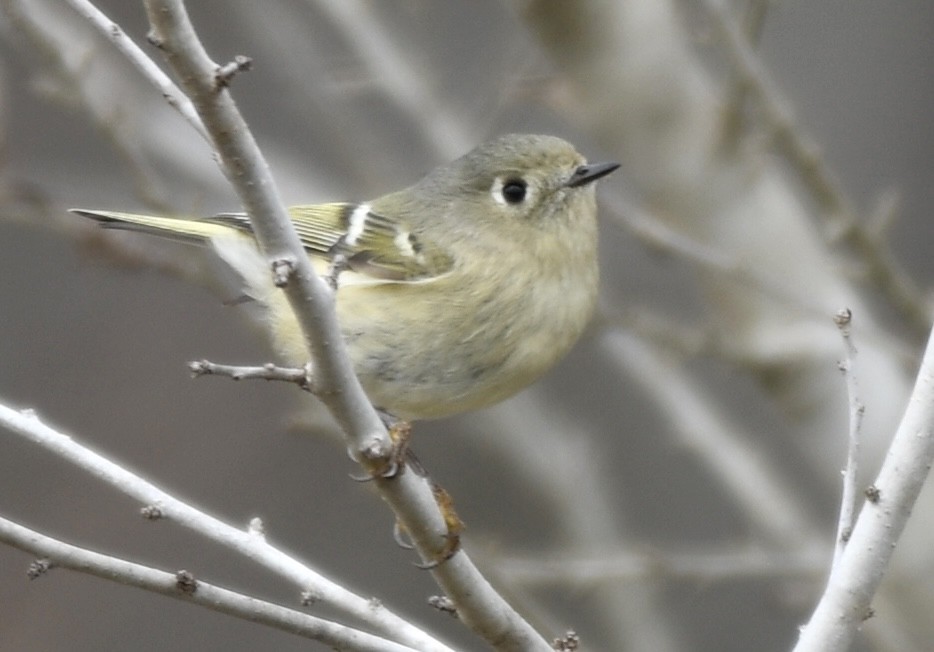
725, 563
765, 498
150, 71
659, 235
410, 495
539, 437
250, 544
656, 234
71, 87
844, 319
752, 20
301, 377
850, 589
249, 174
184, 586
838, 211
399, 78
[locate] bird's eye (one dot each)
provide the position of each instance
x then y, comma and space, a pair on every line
514, 191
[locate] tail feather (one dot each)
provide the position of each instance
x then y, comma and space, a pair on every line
187, 230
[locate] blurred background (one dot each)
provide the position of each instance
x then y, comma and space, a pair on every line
672, 485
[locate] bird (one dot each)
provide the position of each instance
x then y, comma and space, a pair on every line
452, 294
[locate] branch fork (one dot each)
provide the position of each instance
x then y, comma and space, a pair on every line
225, 73
301, 376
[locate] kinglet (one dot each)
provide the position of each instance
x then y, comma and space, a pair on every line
452, 294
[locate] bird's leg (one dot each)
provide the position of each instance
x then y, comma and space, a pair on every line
400, 432
401, 458
339, 263
455, 526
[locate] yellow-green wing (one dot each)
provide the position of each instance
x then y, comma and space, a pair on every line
320, 227
368, 243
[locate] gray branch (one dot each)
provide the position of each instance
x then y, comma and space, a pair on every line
251, 544
183, 586
409, 495
857, 574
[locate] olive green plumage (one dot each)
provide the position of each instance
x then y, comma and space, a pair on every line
454, 293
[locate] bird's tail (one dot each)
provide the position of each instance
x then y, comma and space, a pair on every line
176, 228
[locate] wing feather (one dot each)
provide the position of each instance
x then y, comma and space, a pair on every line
382, 248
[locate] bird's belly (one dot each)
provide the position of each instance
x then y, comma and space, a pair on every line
444, 353
435, 360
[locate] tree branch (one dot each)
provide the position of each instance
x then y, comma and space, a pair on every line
758, 488
392, 68
724, 563
805, 156
250, 544
302, 377
249, 174
843, 319
72, 86
845, 603
113, 32
183, 586
410, 496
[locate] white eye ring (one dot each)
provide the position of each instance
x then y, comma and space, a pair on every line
510, 191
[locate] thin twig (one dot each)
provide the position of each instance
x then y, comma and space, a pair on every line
846, 601
71, 87
631, 612
409, 495
655, 234
765, 497
723, 564
844, 319
804, 155
269, 371
401, 80
150, 71
183, 586
250, 544
249, 174
753, 20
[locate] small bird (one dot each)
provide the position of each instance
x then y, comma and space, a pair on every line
452, 294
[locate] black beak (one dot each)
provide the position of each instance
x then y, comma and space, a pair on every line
589, 173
